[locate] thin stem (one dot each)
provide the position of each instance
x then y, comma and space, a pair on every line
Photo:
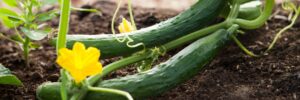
295, 17
113, 22
113, 91
117, 65
233, 13
63, 24
62, 35
193, 36
63, 89
131, 14
243, 47
258, 22
129, 40
26, 50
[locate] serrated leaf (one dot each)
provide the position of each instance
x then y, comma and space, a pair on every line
7, 78
35, 34
12, 3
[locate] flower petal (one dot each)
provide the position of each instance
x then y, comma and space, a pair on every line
93, 69
79, 49
65, 59
78, 76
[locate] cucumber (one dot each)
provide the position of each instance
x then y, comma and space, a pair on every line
200, 15
161, 78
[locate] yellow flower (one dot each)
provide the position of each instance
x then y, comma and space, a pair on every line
80, 62
125, 26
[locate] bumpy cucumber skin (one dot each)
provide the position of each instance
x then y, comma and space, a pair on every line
202, 14
161, 78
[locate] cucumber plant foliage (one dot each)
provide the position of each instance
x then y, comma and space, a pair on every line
193, 27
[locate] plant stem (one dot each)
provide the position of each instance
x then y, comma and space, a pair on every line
258, 22
193, 36
26, 50
131, 14
116, 65
243, 47
61, 41
294, 19
63, 24
63, 88
114, 91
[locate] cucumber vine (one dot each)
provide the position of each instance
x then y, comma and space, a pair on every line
127, 38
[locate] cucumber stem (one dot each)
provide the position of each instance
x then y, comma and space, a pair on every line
63, 88
63, 24
61, 41
193, 36
233, 14
113, 91
131, 14
258, 22
243, 47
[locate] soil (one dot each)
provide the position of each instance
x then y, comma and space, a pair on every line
232, 75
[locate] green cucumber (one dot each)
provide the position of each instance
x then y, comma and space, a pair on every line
200, 15
161, 78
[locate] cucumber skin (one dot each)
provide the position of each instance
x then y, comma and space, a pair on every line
200, 15
161, 78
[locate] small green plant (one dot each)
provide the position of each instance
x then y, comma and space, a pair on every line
26, 19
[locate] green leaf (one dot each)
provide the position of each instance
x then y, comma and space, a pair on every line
46, 16
12, 3
9, 23
7, 78
9, 18
35, 34
17, 38
9, 13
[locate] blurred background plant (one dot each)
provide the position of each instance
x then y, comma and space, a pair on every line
23, 16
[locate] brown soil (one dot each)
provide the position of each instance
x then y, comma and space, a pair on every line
231, 75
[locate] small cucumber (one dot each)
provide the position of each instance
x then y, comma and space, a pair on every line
161, 78
200, 15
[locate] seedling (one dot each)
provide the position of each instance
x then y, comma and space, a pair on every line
28, 23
